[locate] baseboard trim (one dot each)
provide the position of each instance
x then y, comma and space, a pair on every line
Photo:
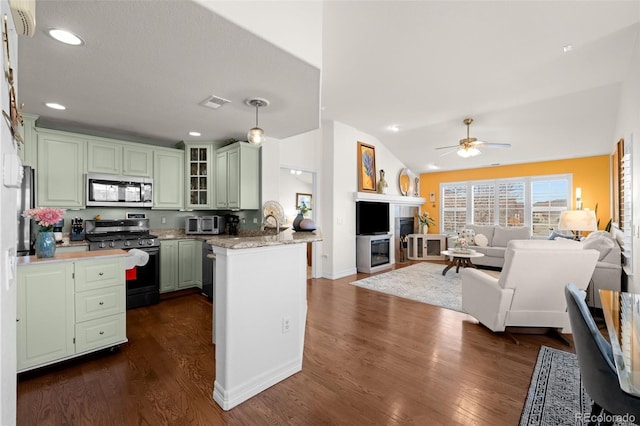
227, 399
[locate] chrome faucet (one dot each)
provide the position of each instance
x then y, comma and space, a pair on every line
264, 223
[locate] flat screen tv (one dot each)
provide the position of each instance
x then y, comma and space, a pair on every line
372, 218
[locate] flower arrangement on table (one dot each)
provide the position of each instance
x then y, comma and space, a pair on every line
46, 217
461, 245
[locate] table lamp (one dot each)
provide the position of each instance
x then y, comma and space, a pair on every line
578, 220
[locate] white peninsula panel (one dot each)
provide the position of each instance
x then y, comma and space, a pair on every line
260, 312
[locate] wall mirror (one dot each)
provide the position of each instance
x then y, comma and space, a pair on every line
406, 181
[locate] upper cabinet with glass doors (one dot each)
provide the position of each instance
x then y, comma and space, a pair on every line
198, 175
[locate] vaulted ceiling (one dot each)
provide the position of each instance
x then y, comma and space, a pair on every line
422, 66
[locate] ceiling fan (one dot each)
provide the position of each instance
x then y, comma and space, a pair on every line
468, 147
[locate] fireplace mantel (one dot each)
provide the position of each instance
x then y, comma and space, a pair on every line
391, 199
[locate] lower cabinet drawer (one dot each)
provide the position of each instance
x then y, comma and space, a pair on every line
100, 332
99, 303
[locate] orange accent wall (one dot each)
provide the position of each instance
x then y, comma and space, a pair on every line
592, 174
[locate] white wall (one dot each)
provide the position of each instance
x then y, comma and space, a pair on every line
8, 239
628, 127
295, 26
341, 180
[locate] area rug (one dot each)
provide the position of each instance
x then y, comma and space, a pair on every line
423, 282
556, 395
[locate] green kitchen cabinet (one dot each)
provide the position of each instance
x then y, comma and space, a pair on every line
28, 150
190, 263
168, 179
45, 314
61, 170
168, 265
137, 160
66, 308
180, 264
198, 169
104, 157
238, 177
108, 156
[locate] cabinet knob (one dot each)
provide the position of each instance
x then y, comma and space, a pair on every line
101, 273
101, 303
102, 332
17, 319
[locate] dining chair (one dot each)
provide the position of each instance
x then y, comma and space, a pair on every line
595, 359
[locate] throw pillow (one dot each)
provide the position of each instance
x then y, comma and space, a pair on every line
481, 240
468, 234
601, 242
486, 230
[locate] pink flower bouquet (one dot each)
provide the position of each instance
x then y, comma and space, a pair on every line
46, 217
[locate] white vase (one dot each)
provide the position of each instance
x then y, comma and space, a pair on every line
425, 229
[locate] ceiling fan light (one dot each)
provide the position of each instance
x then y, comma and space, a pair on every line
473, 151
256, 136
464, 153
468, 152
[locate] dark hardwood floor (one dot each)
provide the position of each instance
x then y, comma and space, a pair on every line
369, 359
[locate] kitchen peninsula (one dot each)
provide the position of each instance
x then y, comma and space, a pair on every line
260, 312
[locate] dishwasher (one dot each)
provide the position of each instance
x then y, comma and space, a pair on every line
208, 271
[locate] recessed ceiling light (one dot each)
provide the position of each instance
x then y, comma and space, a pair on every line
433, 166
567, 48
65, 36
194, 134
394, 128
55, 105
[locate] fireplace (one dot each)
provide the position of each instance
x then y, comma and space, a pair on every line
373, 253
405, 224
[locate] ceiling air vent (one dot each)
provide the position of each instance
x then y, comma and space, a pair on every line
214, 102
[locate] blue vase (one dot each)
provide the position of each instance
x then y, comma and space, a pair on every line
45, 244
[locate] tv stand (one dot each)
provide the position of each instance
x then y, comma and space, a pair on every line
373, 252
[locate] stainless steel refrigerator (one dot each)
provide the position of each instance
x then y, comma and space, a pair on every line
26, 200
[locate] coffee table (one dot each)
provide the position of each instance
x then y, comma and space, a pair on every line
460, 259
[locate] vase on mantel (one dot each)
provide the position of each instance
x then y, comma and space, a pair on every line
425, 229
45, 244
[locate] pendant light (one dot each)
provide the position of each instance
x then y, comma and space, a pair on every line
256, 134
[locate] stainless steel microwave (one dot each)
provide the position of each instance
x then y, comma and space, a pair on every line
119, 191
204, 225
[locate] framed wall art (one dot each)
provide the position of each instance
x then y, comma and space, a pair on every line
366, 167
303, 199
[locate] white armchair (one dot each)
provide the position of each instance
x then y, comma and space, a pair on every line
530, 290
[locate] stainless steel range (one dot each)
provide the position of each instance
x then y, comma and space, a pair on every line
143, 285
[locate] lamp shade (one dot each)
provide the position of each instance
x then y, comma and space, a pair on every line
578, 220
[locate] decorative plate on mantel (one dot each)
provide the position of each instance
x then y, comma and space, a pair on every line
274, 208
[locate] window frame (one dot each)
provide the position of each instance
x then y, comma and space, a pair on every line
527, 182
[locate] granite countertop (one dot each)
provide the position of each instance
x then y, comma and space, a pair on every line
63, 257
255, 241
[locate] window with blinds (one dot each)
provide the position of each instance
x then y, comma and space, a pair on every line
534, 201
548, 199
453, 207
484, 205
511, 203
626, 208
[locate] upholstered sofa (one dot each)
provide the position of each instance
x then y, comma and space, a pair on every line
608, 272
497, 238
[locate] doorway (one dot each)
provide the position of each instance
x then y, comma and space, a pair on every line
298, 187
